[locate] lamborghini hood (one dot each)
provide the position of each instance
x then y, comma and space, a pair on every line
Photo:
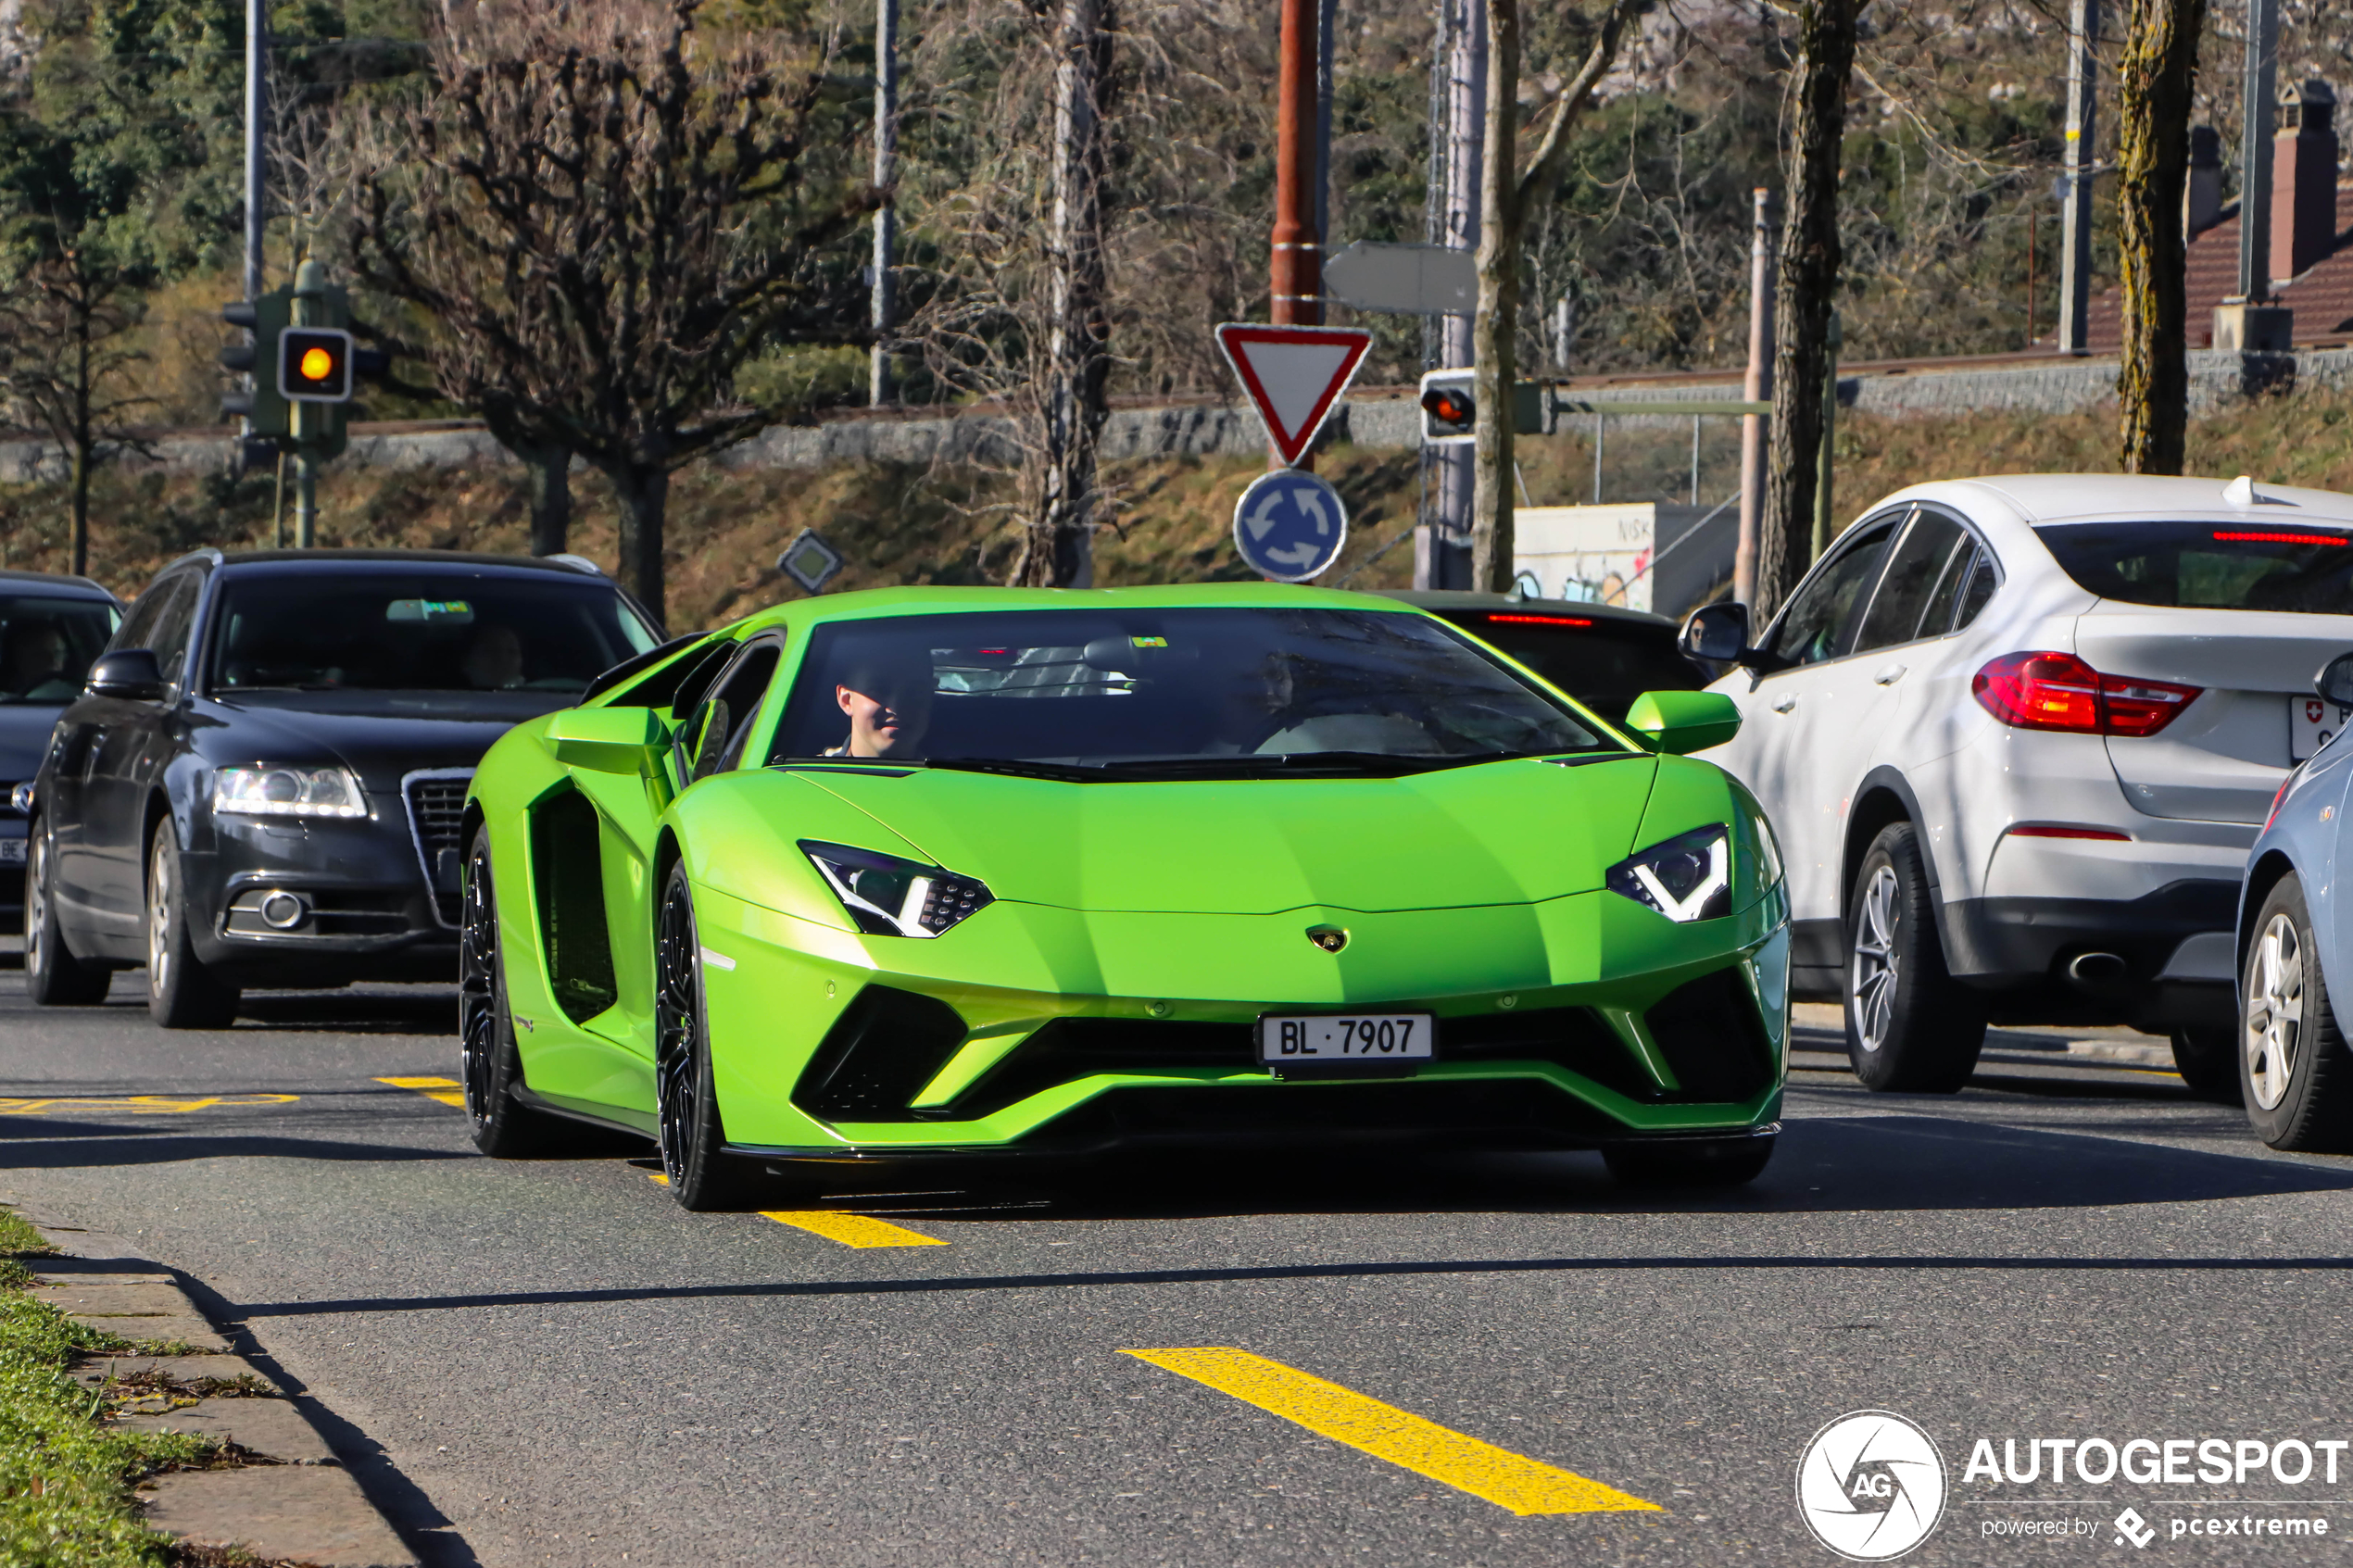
1497, 832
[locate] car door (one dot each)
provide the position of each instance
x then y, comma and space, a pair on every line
1800, 748
138, 744
100, 879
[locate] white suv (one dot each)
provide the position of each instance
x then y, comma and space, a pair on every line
2017, 735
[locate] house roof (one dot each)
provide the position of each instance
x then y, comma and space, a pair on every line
2321, 295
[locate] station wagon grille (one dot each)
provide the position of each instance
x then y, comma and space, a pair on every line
436, 813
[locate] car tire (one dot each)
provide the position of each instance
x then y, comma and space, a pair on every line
2208, 1060
1688, 1164
1911, 1028
489, 1064
2293, 1063
181, 992
52, 976
702, 1177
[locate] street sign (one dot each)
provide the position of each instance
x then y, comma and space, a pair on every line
1290, 525
1404, 280
1294, 376
810, 561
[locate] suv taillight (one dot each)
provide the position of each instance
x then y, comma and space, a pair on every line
2058, 691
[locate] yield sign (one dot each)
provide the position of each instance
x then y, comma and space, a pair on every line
1294, 375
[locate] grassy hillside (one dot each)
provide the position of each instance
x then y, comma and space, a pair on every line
905, 524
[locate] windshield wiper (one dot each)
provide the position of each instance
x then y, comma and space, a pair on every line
1012, 766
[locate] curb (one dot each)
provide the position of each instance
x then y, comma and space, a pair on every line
290, 1501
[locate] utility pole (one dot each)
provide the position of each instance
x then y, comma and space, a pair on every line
2251, 319
878, 388
1297, 264
2075, 206
1756, 387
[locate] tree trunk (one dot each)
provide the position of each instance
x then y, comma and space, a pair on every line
1495, 366
81, 508
1060, 550
550, 469
1806, 295
644, 491
2153, 84
84, 445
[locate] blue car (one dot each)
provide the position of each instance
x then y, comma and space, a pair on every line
2295, 940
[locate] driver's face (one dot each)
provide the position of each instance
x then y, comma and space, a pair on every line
886, 726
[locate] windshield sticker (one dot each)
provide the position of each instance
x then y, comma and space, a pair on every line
451, 612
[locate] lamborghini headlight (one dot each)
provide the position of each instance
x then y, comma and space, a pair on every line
1687, 878
287, 792
889, 896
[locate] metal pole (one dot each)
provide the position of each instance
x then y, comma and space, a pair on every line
878, 388
278, 510
1695, 460
310, 282
2259, 98
306, 500
257, 107
1466, 147
2075, 208
1823, 531
1296, 267
1327, 26
1756, 387
1598, 436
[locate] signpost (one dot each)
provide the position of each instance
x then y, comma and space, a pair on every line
1294, 376
1290, 525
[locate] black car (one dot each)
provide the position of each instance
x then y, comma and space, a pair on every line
1603, 655
262, 785
51, 628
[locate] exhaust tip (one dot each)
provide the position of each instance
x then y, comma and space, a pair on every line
2097, 968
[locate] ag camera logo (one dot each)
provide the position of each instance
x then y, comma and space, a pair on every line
1871, 1485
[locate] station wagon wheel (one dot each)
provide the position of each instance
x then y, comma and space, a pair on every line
2293, 1063
701, 1176
52, 976
1910, 1026
489, 1064
183, 991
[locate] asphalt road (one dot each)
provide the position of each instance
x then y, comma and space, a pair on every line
548, 1362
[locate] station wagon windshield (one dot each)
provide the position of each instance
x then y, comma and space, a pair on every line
2296, 569
1167, 692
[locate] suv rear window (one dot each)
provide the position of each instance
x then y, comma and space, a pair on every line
2297, 568
1603, 663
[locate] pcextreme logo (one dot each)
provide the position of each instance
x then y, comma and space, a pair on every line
1871, 1486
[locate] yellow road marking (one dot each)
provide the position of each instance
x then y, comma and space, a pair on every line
1508, 1480
448, 1091
143, 1105
851, 1230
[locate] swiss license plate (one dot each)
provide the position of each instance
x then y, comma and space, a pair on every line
2310, 724
12, 851
1299, 1041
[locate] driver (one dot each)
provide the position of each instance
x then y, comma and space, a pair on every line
887, 696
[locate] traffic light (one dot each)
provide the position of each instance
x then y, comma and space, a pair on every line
265, 405
315, 365
1450, 415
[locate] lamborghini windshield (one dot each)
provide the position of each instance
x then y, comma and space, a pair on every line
1170, 693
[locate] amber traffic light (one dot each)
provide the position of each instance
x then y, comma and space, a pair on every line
314, 365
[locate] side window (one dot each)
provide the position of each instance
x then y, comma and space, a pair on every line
1819, 622
145, 611
1914, 568
1984, 578
1938, 622
170, 639
724, 720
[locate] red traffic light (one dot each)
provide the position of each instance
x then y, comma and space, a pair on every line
314, 365
1448, 405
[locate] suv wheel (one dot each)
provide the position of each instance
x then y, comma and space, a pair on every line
2293, 1063
1910, 1026
2208, 1060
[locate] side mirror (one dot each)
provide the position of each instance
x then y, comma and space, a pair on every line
2334, 683
606, 740
1717, 631
1681, 722
132, 674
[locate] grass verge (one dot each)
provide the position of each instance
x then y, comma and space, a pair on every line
66, 1482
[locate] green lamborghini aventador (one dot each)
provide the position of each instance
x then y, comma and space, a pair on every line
927, 872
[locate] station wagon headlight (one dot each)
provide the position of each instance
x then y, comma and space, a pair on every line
889, 896
269, 791
1687, 878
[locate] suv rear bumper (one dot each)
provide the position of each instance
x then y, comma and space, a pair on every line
2024, 947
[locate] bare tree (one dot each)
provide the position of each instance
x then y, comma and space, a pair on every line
1059, 549
1806, 295
1510, 193
604, 211
2155, 83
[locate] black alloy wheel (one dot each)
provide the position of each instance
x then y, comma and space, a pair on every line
701, 1176
1910, 1026
490, 1065
52, 976
1690, 1164
2208, 1060
2293, 1065
182, 992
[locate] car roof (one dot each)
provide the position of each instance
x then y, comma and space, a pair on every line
55, 583
2027, 501
1442, 601
567, 566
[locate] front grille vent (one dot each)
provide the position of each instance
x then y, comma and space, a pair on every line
437, 818
1712, 1039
